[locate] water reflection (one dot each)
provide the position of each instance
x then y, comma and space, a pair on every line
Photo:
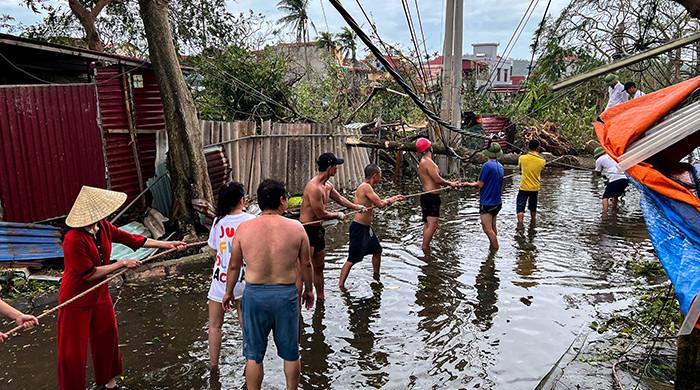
315, 352
486, 285
525, 257
363, 312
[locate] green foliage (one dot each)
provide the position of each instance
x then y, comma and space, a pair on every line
236, 83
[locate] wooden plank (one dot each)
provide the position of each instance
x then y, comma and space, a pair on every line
266, 156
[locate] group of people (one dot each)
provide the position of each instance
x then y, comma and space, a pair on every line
620, 93
266, 267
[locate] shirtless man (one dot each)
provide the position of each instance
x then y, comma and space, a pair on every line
313, 208
431, 180
270, 299
363, 240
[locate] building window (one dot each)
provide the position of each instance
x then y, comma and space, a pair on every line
498, 75
505, 74
137, 80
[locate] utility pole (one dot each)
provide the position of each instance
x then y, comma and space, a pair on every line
451, 104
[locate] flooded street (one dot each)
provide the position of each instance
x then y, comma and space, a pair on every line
458, 318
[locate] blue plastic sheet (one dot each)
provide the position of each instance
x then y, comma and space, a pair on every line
674, 229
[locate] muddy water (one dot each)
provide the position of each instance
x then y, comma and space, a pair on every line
459, 318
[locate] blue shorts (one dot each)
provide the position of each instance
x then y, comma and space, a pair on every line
270, 307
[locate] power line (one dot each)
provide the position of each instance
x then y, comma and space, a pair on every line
528, 12
421, 105
534, 51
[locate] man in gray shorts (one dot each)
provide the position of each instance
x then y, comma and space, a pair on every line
270, 300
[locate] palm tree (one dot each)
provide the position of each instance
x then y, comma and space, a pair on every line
327, 41
348, 42
297, 17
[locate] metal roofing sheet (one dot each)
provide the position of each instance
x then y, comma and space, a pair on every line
26, 241
121, 252
50, 147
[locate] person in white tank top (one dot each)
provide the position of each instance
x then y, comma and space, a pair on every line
230, 215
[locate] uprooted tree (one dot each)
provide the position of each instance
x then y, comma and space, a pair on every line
186, 161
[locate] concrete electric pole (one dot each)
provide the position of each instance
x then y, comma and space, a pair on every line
451, 104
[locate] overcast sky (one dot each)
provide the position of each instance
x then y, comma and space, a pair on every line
484, 20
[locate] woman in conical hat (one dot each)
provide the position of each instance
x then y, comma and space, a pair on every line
86, 250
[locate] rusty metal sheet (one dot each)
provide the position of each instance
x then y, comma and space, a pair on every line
50, 147
501, 128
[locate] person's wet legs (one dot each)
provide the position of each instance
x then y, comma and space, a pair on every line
254, 372
292, 370
488, 223
216, 320
344, 272
429, 228
376, 264
319, 264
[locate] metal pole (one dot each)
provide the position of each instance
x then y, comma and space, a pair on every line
626, 62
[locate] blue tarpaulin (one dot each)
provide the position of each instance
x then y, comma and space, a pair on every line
674, 229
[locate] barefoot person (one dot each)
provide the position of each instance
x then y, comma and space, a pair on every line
21, 319
490, 184
363, 240
276, 250
313, 208
91, 319
229, 214
531, 165
431, 180
617, 181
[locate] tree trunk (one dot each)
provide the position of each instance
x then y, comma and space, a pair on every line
186, 161
87, 20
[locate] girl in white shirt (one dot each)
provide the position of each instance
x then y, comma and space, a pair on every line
230, 215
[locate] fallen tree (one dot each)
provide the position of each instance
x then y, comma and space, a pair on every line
467, 155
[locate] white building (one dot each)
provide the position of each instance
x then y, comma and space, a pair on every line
500, 70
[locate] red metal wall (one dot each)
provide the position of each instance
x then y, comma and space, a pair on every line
147, 111
49, 147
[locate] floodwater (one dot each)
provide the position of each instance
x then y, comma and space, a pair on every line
459, 318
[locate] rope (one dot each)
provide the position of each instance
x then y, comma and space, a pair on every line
102, 283
416, 194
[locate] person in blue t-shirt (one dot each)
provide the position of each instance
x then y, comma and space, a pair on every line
490, 184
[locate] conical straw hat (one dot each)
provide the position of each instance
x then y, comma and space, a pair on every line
92, 205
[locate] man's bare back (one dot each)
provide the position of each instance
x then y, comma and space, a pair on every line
272, 260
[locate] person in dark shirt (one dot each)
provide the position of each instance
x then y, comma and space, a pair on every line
490, 184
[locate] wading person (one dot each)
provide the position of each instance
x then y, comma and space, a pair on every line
616, 91
490, 184
363, 240
229, 209
431, 180
317, 192
276, 250
531, 165
91, 319
21, 319
617, 182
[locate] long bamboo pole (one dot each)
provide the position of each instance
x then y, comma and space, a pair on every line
102, 283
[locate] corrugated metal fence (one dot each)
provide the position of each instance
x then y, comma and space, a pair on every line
285, 152
50, 145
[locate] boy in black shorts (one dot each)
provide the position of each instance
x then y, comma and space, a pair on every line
363, 240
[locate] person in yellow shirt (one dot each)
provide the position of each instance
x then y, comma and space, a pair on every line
531, 165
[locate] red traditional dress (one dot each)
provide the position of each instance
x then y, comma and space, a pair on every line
90, 318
